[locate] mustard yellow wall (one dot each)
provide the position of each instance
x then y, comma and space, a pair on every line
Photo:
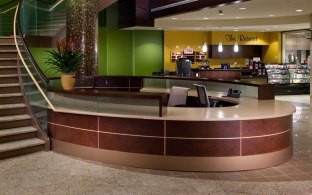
179, 40
273, 52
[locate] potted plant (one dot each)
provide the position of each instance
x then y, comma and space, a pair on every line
66, 61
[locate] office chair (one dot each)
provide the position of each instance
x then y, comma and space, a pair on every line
202, 96
178, 96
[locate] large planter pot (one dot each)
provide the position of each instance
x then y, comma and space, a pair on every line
68, 81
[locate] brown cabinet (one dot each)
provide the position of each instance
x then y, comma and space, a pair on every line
245, 51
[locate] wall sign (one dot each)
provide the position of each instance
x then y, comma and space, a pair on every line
240, 38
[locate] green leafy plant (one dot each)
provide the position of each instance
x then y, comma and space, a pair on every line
65, 59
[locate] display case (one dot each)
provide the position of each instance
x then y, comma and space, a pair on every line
298, 73
289, 78
277, 73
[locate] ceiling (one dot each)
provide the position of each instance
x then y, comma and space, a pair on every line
258, 15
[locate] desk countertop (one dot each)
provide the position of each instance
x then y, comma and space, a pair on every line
247, 108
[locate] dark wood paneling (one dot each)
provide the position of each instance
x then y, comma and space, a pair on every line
74, 136
74, 120
203, 129
133, 144
266, 126
132, 126
245, 51
220, 74
263, 145
208, 148
266, 92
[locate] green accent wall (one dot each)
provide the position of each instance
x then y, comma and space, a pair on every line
127, 52
40, 55
148, 52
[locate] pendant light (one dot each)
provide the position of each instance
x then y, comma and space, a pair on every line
235, 48
220, 46
205, 47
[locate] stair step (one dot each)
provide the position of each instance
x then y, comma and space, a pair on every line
8, 75
11, 106
5, 59
8, 51
9, 85
4, 67
16, 145
17, 131
14, 118
10, 95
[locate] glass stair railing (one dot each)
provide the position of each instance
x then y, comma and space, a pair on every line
43, 19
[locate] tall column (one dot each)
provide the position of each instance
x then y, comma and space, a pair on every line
310, 63
82, 26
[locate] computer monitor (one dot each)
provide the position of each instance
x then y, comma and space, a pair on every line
225, 66
183, 67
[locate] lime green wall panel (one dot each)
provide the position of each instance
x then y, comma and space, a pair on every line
40, 55
148, 52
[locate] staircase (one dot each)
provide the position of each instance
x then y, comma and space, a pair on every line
17, 133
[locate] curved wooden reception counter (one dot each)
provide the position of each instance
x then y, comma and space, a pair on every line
251, 135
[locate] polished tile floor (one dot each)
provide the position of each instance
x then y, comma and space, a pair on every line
52, 173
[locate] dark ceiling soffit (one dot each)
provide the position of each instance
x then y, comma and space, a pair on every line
8, 3
187, 5
51, 2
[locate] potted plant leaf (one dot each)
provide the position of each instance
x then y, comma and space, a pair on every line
66, 61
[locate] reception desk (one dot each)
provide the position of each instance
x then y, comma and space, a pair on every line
251, 135
227, 74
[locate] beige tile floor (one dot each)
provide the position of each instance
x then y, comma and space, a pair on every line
52, 173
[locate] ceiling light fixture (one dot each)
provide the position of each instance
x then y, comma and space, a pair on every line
220, 46
173, 18
271, 15
221, 12
299, 10
242, 8
205, 47
235, 48
205, 18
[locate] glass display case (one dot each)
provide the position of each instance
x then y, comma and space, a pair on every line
277, 73
298, 73
289, 78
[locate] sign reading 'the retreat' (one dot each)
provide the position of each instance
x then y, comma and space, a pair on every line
240, 38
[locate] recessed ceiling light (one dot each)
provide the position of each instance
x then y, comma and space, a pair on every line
242, 8
235, 30
159, 28
237, 17
205, 18
271, 15
173, 18
221, 5
267, 29
221, 14
299, 10
238, 1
